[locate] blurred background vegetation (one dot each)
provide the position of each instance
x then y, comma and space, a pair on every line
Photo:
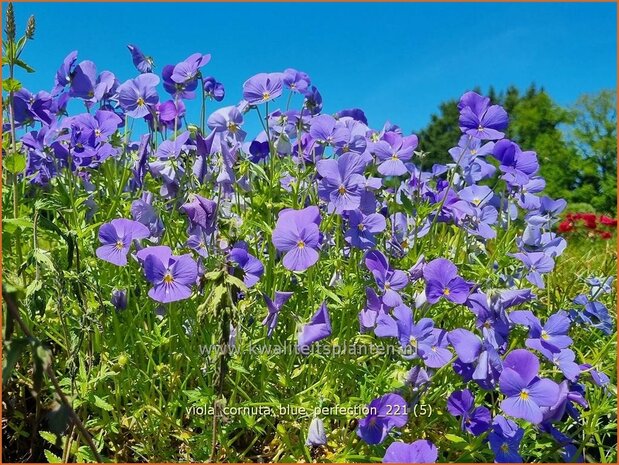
576, 145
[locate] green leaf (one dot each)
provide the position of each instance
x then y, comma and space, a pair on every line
15, 163
49, 437
455, 439
99, 402
42, 257
12, 224
51, 457
12, 351
11, 85
234, 281
24, 66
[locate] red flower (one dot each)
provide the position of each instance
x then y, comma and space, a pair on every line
566, 226
605, 220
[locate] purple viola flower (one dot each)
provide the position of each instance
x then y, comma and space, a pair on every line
419, 339
477, 360
249, 265
188, 69
214, 89
481, 120
83, 80
227, 120
172, 148
172, 276
392, 151
342, 182
317, 329
475, 420
363, 228
535, 263
386, 412
316, 434
442, 281
505, 440
296, 81
517, 166
119, 299
389, 281
525, 392
313, 100
373, 308
63, 75
201, 213
297, 235
137, 96
116, 237
553, 336
274, 307
143, 63
420, 451
262, 88
326, 130
142, 210
592, 313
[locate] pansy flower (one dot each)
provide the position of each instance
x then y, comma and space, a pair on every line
274, 306
420, 451
297, 235
389, 280
137, 96
143, 63
442, 281
475, 420
262, 88
251, 268
317, 329
116, 237
480, 119
525, 392
386, 412
172, 276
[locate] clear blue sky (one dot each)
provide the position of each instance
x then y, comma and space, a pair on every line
396, 61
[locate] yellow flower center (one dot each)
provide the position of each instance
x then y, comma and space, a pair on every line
119, 244
387, 285
524, 394
140, 101
232, 127
446, 291
97, 132
476, 201
545, 335
473, 152
360, 226
301, 245
342, 189
505, 447
266, 95
480, 128
168, 278
394, 156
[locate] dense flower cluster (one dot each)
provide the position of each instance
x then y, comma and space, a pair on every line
358, 194
589, 225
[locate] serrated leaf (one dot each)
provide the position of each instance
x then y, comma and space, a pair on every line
49, 437
15, 163
234, 281
11, 85
99, 402
51, 457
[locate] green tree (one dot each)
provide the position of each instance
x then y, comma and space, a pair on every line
594, 136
